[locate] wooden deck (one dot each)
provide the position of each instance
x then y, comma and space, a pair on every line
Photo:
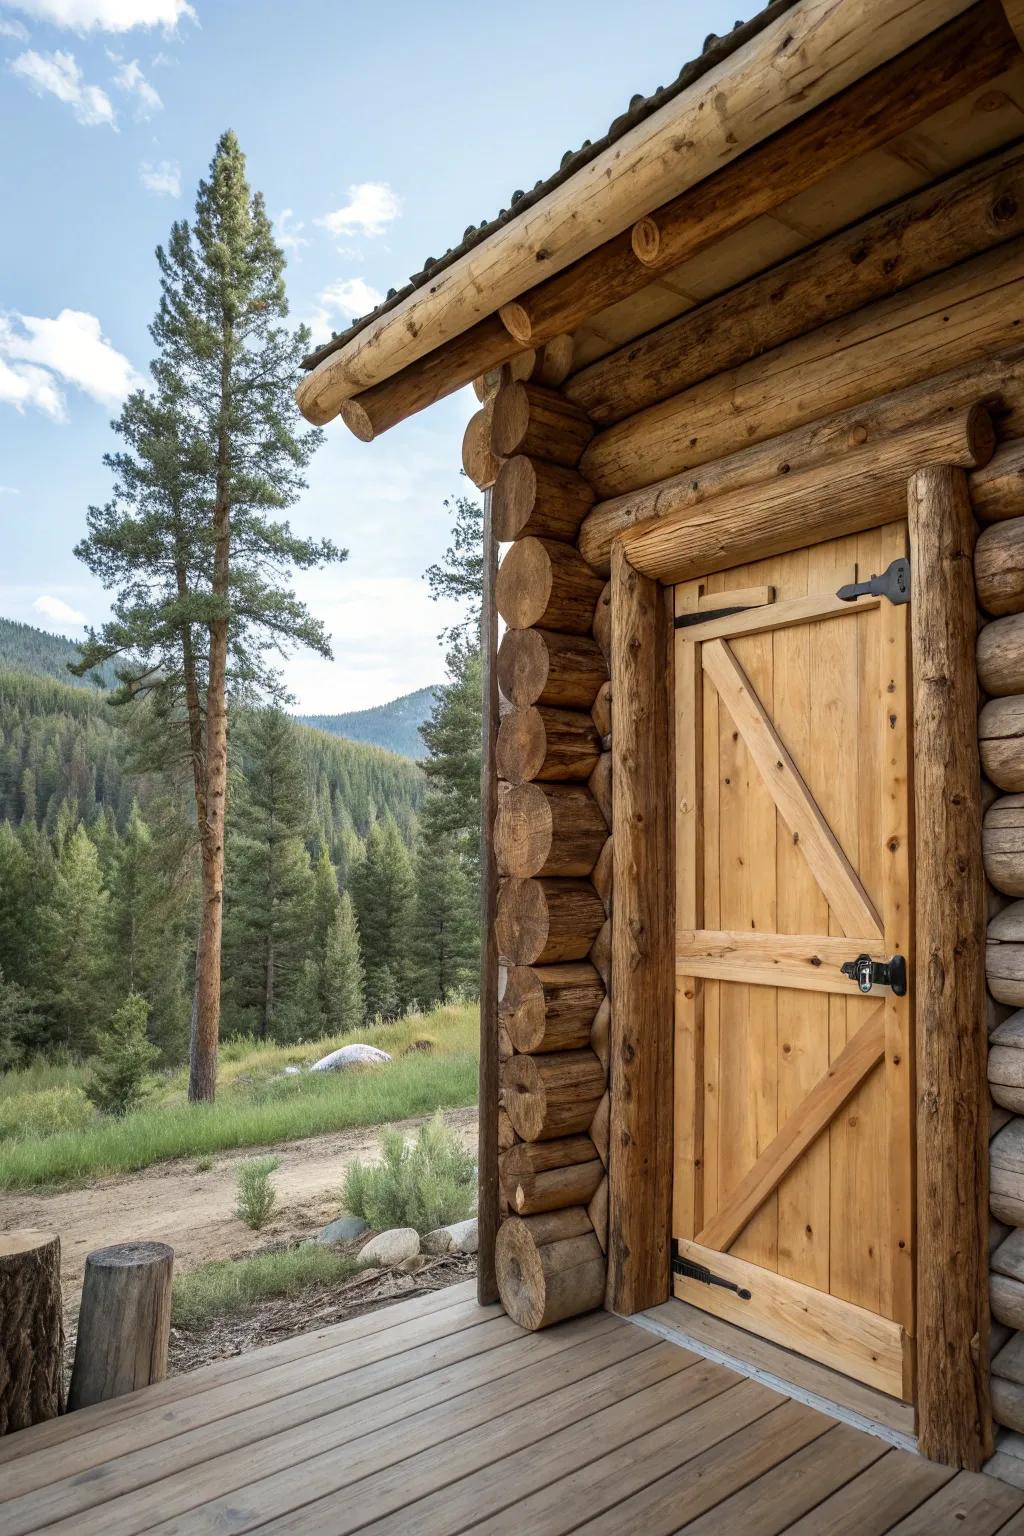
439, 1416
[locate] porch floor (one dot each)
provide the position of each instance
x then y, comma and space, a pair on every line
440, 1416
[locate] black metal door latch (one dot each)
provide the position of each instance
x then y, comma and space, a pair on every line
868, 973
691, 1271
894, 583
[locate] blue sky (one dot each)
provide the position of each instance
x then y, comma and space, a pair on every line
376, 133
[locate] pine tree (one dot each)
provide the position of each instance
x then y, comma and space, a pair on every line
197, 563
271, 885
74, 924
382, 890
118, 1082
342, 981
444, 943
453, 740
326, 898
148, 916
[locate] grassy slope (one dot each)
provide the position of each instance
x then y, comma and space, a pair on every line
256, 1105
230, 1286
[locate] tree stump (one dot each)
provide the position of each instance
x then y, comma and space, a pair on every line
124, 1323
31, 1330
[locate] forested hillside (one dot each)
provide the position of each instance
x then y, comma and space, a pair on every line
23, 648
395, 726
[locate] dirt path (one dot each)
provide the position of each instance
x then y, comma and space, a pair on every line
193, 1210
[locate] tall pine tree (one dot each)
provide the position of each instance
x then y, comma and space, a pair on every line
187, 541
268, 931
382, 890
342, 981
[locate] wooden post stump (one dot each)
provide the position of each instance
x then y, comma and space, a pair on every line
124, 1323
31, 1330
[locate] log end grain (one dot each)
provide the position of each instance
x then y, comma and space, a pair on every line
549, 1268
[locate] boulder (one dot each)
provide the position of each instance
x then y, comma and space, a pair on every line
390, 1248
460, 1237
345, 1230
350, 1056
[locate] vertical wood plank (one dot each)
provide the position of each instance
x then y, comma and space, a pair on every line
487, 1153
954, 1415
640, 1175
687, 1186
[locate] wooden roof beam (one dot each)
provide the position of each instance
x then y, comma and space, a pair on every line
803, 58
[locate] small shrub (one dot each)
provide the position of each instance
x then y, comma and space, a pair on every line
426, 1185
118, 1083
256, 1195
204, 1164
48, 1112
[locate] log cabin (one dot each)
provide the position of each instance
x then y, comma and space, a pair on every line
751, 437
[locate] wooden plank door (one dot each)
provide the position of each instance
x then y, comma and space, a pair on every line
794, 1155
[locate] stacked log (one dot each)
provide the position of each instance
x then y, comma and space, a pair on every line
551, 842
997, 493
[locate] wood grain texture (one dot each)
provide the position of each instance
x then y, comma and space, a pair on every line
547, 585
866, 489
923, 234
553, 1007
952, 1189
532, 496
32, 1346
539, 666
830, 439
124, 1322
642, 962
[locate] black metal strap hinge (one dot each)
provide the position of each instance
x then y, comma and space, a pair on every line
691, 1271
894, 584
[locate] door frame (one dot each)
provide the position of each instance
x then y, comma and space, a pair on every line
952, 1104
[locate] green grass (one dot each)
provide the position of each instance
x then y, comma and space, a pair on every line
256, 1106
229, 1286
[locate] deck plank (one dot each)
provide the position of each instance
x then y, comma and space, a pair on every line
667, 1505
322, 1494
589, 1491
439, 1416
282, 1432
155, 1420
27, 1442
768, 1506
970, 1502
874, 1502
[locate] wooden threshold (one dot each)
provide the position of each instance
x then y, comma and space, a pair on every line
804, 1380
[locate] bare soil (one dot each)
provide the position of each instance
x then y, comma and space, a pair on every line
194, 1210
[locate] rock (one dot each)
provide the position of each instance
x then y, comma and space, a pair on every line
460, 1237
350, 1056
390, 1248
414, 1265
293, 1071
345, 1230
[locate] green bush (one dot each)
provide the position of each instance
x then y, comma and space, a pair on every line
256, 1195
48, 1112
118, 1082
226, 1287
426, 1185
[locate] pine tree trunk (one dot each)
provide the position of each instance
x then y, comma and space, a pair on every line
268, 995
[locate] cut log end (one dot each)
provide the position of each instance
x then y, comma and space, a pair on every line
357, 418
124, 1323
646, 240
516, 321
549, 1268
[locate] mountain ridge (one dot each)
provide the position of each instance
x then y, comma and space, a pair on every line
393, 725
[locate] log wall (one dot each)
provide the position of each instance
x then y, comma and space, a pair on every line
998, 497
551, 840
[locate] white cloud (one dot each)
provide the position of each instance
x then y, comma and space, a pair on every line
132, 81
162, 177
23, 386
371, 207
9, 490
37, 355
57, 610
13, 29
287, 233
106, 15
59, 75
348, 299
